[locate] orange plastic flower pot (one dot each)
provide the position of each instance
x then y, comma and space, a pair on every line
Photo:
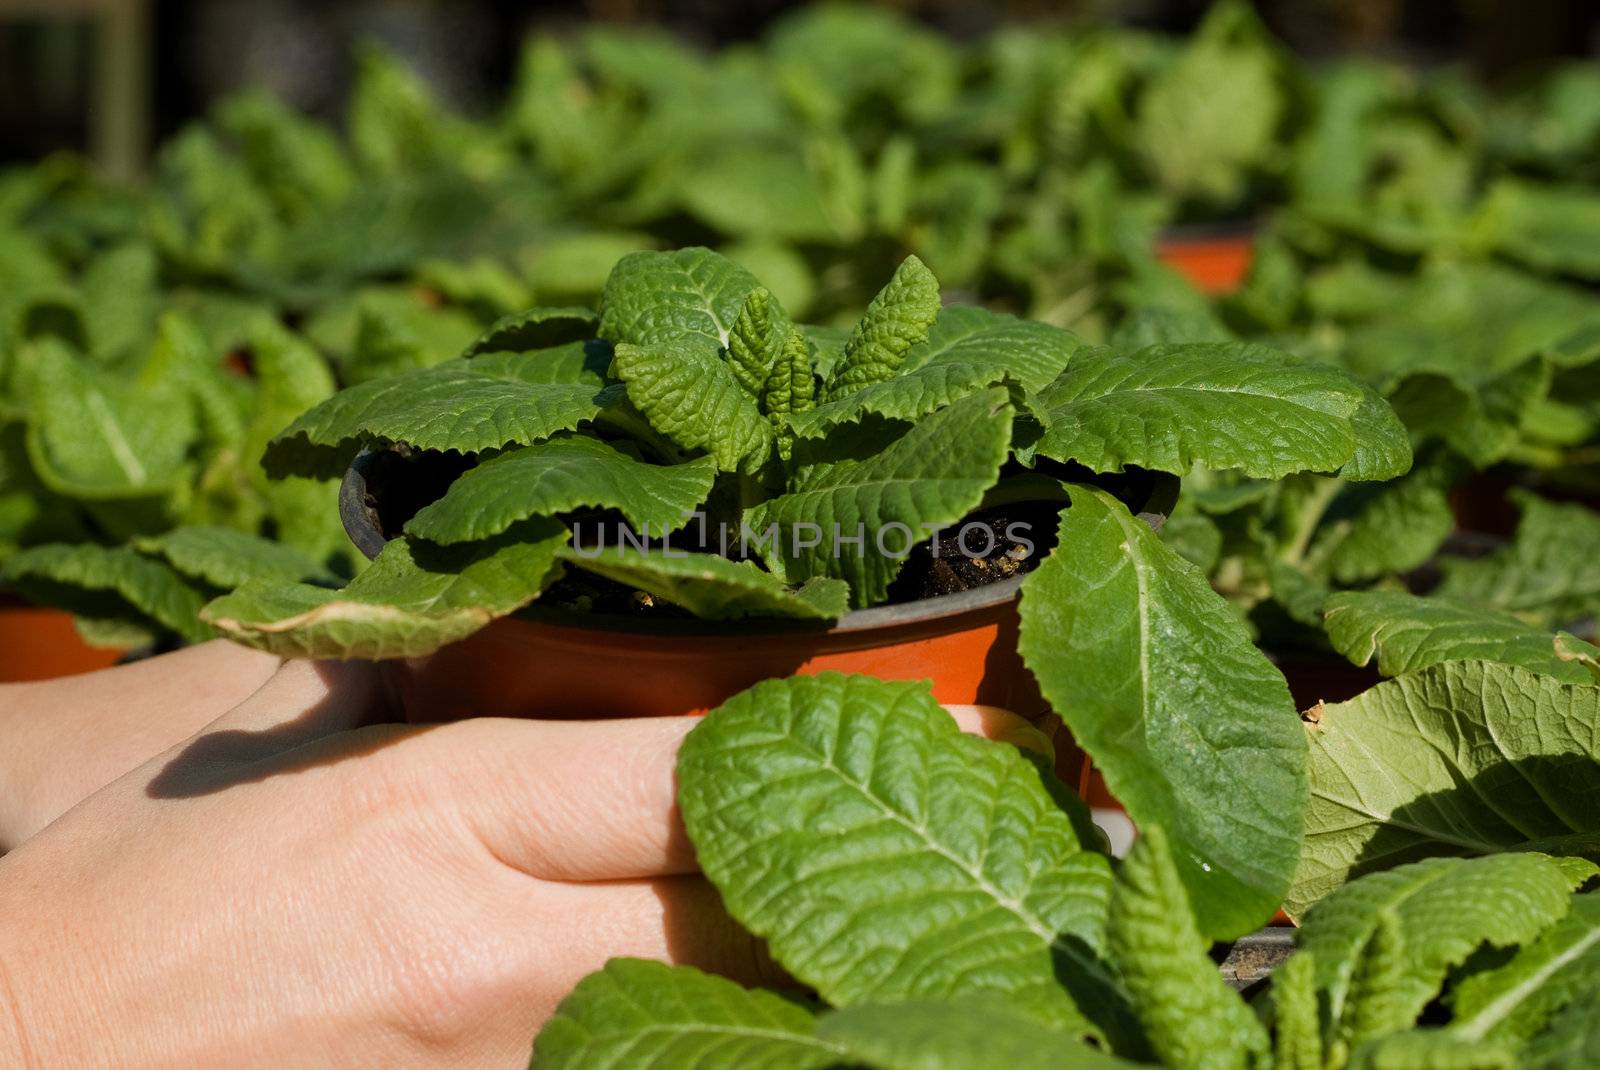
41, 644
551, 663
1216, 264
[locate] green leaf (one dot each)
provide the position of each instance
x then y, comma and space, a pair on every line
563, 474
713, 587
888, 492
1572, 1042
636, 1014
967, 350
790, 391
1515, 1001
973, 1033
1408, 633
898, 318
1430, 1049
469, 405
1399, 527
1383, 445
225, 558
1296, 1019
1207, 119
1191, 1016
690, 394
1377, 1001
883, 855
1545, 575
1464, 757
1192, 727
1553, 229
1569, 648
1219, 405
1441, 911
414, 599
757, 340
290, 378
537, 328
108, 583
753, 190
653, 298
92, 434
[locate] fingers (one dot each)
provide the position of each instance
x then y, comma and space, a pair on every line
1003, 726
571, 800
306, 700
304, 706
68, 738
597, 800
673, 919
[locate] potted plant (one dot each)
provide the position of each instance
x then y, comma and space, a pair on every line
577, 452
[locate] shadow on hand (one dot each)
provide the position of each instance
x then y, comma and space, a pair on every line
347, 723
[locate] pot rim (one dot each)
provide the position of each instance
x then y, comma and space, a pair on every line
359, 525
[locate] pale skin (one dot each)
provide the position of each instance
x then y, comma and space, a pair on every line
218, 860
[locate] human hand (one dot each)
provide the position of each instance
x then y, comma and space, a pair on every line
301, 886
62, 740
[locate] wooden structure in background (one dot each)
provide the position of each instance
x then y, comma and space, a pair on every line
119, 96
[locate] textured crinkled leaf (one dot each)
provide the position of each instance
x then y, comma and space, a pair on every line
637, 1014
1407, 632
757, 340
1515, 1001
1296, 1018
967, 350
1443, 909
886, 486
790, 390
898, 318
108, 583
469, 405
1383, 445
713, 587
536, 328
226, 558
1220, 405
1189, 723
690, 394
1190, 1015
1378, 1000
412, 600
1463, 757
1546, 574
652, 298
558, 476
884, 855
973, 1033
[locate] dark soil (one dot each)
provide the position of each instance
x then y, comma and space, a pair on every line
989, 546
